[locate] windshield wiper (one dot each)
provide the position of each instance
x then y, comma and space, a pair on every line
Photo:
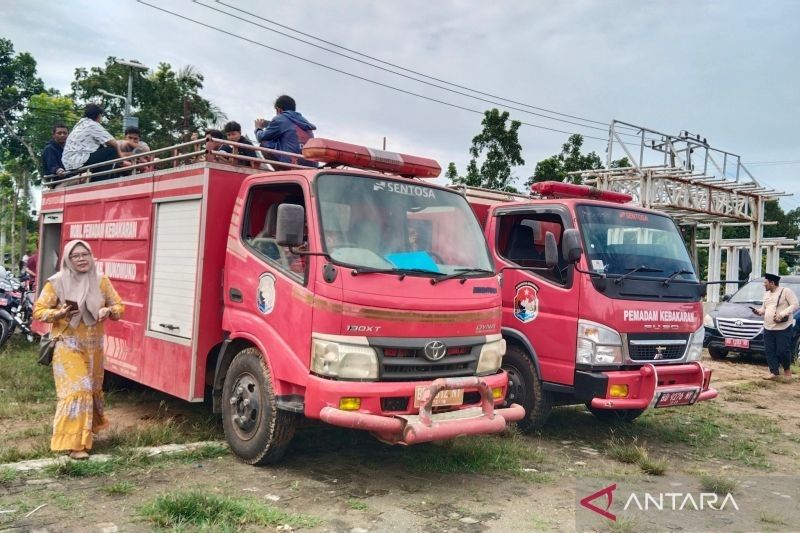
675, 275
401, 272
461, 272
643, 268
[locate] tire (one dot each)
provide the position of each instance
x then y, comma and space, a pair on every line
717, 354
615, 416
257, 432
525, 388
6, 329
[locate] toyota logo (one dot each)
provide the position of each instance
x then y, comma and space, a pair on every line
738, 323
435, 350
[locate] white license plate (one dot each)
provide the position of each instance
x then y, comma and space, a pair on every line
445, 397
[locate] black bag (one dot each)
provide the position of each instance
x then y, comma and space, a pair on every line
784, 319
46, 349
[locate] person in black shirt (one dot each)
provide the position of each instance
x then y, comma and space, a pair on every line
51, 155
233, 132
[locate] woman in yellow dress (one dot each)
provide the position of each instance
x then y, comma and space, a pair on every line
78, 356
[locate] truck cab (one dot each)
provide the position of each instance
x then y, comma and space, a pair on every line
601, 303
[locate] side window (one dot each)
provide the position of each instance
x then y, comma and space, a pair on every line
260, 226
521, 241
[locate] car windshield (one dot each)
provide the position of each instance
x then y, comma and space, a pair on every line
753, 292
619, 240
386, 224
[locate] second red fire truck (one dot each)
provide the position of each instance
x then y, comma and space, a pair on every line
601, 303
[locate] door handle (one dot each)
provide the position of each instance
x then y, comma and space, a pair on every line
169, 327
235, 295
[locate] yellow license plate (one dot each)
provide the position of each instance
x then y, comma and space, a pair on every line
445, 397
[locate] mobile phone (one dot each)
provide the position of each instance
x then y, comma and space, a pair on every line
71, 305
753, 309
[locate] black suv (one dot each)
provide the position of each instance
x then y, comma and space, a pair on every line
733, 327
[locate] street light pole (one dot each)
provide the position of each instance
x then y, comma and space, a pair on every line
129, 120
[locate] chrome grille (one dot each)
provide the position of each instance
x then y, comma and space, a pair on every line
740, 328
660, 347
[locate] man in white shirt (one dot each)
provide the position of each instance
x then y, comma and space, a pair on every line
778, 307
89, 143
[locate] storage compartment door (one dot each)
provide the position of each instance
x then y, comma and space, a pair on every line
174, 276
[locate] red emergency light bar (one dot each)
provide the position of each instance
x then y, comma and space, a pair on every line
352, 155
556, 189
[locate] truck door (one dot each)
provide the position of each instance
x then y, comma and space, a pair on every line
541, 304
265, 285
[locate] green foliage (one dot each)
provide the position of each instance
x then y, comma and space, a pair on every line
558, 167
167, 102
212, 511
498, 146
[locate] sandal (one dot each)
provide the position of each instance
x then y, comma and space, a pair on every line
79, 455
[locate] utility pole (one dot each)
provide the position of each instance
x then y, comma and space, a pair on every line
129, 120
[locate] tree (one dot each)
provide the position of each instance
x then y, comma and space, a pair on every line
558, 167
499, 146
168, 103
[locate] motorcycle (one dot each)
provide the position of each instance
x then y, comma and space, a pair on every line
16, 306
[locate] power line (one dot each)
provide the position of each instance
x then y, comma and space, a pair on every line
295, 30
356, 76
772, 163
493, 102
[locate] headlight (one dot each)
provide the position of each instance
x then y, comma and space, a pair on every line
597, 344
695, 348
346, 361
708, 321
491, 356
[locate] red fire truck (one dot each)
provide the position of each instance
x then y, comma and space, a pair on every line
356, 293
601, 303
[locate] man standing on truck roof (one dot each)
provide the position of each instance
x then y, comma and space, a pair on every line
778, 307
90, 143
51, 155
288, 131
233, 132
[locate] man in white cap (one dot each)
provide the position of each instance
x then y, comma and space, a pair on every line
778, 307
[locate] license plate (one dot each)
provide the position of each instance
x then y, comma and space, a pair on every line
737, 343
3, 301
679, 397
445, 397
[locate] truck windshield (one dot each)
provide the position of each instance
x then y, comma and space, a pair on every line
619, 240
400, 227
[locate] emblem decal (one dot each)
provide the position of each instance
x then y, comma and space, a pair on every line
435, 350
526, 302
265, 293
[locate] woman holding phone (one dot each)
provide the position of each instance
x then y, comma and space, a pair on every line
76, 301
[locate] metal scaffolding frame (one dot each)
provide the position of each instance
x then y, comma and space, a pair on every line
699, 186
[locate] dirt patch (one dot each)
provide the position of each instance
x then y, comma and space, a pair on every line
747, 437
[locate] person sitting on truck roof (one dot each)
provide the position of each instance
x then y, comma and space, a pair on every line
89, 143
233, 132
133, 144
288, 131
53, 150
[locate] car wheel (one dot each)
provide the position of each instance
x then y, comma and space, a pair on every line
525, 388
717, 353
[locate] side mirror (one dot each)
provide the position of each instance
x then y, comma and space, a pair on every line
289, 230
571, 241
550, 250
726, 297
745, 262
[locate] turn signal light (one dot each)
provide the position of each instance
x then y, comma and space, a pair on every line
618, 391
350, 404
497, 393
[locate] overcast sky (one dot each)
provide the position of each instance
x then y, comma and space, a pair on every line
728, 70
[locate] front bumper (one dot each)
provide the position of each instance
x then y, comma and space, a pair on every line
410, 425
714, 339
647, 384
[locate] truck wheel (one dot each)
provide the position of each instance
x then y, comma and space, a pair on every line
717, 353
525, 388
257, 432
615, 416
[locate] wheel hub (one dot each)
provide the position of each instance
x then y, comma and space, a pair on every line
244, 402
514, 391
